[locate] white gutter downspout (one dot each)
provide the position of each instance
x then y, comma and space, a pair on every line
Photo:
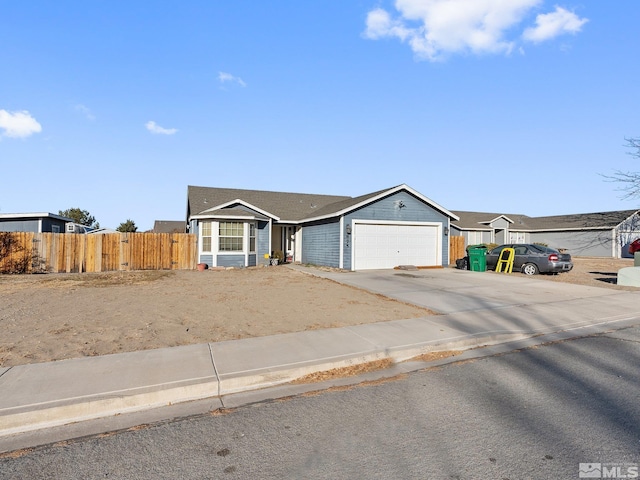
341, 261
270, 239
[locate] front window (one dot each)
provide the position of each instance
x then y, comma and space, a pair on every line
252, 237
231, 236
206, 236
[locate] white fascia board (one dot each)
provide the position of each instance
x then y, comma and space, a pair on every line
497, 218
574, 229
35, 215
386, 193
232, 217
475, 229
628, 219
534, 230
289, 222
241, 202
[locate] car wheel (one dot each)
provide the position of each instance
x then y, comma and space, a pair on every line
530, 269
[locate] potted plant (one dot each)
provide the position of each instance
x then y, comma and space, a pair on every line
277, 257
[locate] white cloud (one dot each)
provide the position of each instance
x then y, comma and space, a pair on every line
435, 29
85, 111
18, 124
551, 25
153, 127
227, 77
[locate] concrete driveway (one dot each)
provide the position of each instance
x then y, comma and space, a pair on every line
486, 302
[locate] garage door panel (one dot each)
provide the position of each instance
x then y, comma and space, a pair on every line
378, 246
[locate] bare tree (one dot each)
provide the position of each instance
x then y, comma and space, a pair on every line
630, 181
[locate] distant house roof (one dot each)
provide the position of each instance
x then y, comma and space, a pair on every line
598, 220
99, 231
578, 221
284, 207
12, 216
169, 226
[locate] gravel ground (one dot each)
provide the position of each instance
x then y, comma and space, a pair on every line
594, 272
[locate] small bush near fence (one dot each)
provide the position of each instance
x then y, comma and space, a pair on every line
14, 257
24, 252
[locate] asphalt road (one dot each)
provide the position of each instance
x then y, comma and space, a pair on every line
533, 414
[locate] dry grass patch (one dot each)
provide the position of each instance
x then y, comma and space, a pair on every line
432, 356
350, 371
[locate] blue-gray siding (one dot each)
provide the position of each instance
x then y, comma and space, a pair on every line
580, 243
230, 261
473, 238
208, 259
321, 244
388, 209
31, 225
262, 243
20, 226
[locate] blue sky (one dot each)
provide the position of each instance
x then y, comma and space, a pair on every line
515, 106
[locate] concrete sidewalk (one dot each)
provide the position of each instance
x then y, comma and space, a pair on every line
478, 309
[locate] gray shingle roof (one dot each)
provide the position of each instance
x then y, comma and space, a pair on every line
345, 204
169, 226
582, 220
285, 206
474, 220
235, 213
480, 220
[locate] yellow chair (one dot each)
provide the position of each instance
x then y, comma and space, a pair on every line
506, 260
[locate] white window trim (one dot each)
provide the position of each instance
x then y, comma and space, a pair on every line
215, 241
201, 251
245, 239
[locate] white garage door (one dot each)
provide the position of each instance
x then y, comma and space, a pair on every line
388, 246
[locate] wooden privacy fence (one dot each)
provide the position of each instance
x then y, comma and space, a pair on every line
456, 248
73, 253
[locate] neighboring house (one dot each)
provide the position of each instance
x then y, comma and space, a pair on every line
169, 226
33, 222
384, 229
604, 234
100, 231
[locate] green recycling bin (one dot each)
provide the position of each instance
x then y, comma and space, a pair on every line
477, 258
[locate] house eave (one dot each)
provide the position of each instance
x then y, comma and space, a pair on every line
239, 201
381, 195
35, 215
489, 222
227, 217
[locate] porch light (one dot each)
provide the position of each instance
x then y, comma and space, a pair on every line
446, 231
348, 229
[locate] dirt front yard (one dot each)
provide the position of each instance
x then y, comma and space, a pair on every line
58, 316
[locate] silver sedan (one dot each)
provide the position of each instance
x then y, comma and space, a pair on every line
531, 259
